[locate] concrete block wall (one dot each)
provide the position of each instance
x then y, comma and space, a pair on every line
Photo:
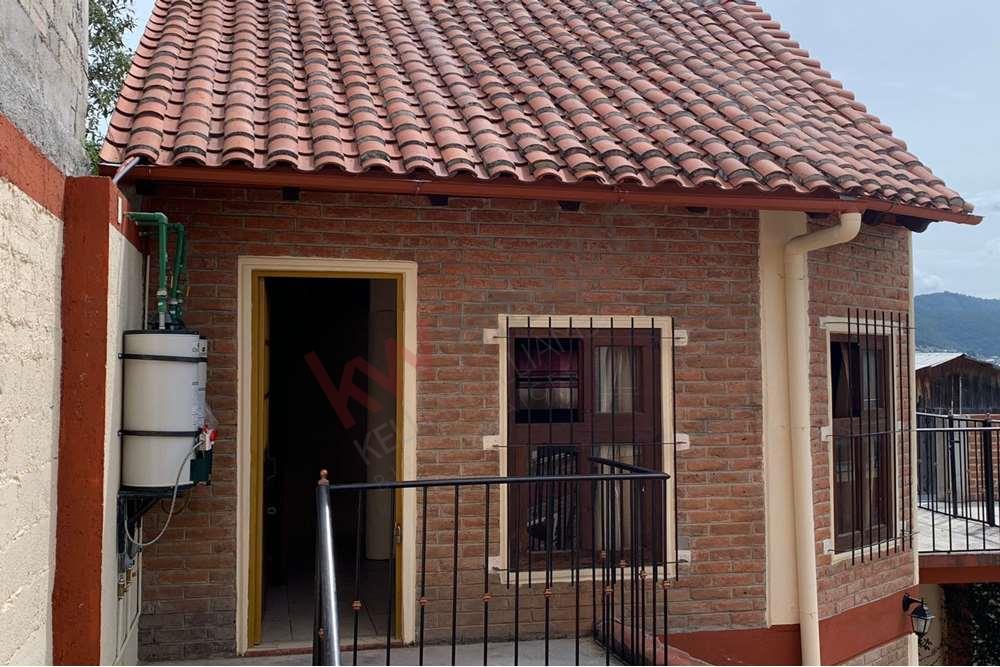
43, 79
43, 97
30, 347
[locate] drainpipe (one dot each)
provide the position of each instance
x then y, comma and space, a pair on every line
797, 314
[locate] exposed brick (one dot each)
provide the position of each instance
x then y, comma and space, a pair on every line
489, 257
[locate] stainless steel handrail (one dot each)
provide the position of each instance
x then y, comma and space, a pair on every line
326, 629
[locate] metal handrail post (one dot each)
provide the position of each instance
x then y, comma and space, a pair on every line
987, 443
326, 637
953, 476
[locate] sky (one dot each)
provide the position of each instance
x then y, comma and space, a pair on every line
929, 69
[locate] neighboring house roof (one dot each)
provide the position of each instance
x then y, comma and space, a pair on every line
624, 92
932, 359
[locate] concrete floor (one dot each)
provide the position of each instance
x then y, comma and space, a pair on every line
289, 609
561, 652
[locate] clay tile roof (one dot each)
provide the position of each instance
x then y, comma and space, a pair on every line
638, 92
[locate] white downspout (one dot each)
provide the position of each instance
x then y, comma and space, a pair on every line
799, 417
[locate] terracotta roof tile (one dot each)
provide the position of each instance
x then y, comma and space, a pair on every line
683, 92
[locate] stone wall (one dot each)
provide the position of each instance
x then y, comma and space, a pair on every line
43, 79
30, 347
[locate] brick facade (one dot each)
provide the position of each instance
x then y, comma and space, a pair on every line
871, 272
478, 258
893, 653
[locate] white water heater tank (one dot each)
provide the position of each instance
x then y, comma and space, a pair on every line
162, 411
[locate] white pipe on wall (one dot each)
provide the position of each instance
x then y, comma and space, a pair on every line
799, 413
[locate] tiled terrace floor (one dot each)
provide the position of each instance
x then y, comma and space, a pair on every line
561, 652
937, 531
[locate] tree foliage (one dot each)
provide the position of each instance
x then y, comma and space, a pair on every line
107, 65
972, 614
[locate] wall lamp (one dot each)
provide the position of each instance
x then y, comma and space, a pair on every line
920, 615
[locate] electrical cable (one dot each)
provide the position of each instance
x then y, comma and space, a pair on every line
173, 501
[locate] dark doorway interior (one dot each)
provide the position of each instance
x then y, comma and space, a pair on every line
322, 334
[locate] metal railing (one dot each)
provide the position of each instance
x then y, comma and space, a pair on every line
957, 473
508, 566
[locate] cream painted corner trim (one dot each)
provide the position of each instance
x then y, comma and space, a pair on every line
776, 229
668, 335
914, 488
246, 268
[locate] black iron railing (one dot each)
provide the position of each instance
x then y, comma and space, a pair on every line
550, 565
958, 482
870, 372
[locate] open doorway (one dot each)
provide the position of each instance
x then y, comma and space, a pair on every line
329, 384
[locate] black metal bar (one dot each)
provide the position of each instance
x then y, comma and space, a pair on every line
909, 425
868, 439
454, 579
356, 603
951, 460
576, 573
486, 578
423, 574
987, 474
855, 457
517, 569
480, 481
391, 593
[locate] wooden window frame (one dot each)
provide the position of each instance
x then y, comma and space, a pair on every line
891, 442
665, 335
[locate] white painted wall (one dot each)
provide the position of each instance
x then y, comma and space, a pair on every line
30, 356
119, 615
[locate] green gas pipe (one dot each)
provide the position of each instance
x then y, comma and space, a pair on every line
168, 301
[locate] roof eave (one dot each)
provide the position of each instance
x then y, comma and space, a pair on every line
384, 183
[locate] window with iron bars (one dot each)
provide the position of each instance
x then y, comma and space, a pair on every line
581, 390
870, 407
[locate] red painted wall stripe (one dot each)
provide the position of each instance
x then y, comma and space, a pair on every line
842, 637
26, 167
91, 205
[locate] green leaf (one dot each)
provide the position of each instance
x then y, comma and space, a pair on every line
108, 62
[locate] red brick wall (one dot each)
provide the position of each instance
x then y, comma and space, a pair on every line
870, 272
478, 258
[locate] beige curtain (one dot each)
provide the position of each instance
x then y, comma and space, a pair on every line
615, 384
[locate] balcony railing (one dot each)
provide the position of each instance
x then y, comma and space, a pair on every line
957, 483
560, 568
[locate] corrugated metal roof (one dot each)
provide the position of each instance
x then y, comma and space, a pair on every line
929, 359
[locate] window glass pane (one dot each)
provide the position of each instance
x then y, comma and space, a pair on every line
870, 379
547, 380
864, 497
613, 508
841, 380
552, 507
617, 369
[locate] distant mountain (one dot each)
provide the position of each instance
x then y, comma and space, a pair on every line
955, 322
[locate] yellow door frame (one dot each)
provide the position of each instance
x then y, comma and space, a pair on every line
404, 276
